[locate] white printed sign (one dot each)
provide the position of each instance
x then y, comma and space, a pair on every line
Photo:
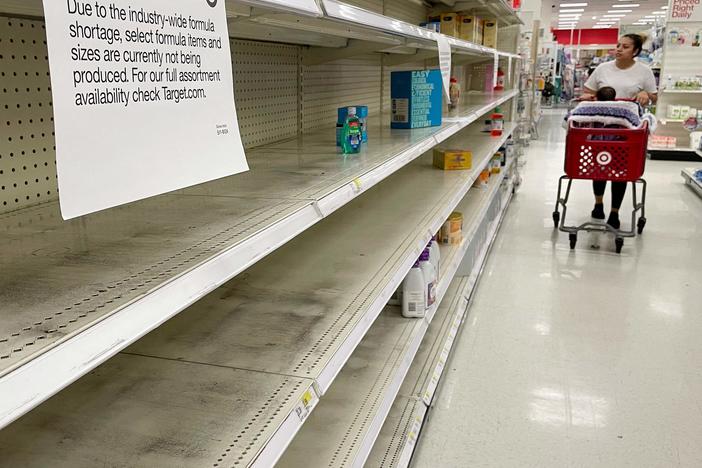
445, 63
685, 11
143, 99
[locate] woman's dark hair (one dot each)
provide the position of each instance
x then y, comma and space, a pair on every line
638, 41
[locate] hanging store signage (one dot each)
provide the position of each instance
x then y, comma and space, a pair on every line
685, 10
445, 63
143, 99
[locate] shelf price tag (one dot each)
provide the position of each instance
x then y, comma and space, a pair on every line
414, 431
305, 405
143, 99
445, 62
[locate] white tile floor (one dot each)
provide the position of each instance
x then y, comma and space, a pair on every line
579, 358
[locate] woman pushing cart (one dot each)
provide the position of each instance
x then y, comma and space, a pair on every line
611, 154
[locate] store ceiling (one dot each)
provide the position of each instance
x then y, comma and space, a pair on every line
566, 14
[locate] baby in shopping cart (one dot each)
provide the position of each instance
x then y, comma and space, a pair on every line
607, 112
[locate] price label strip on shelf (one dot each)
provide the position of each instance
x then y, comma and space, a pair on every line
306, 404
445, 62
413, 433
133, 122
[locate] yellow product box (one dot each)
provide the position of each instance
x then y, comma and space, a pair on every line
467, 27
479, 28
490, 33
452, 160
449, 24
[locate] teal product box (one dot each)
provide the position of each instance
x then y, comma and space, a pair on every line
416, 98
342, 114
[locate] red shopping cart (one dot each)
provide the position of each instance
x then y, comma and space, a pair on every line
610, 154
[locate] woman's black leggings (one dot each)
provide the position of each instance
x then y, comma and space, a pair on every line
618, 191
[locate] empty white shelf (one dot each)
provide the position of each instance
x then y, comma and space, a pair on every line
83, 290
297, 315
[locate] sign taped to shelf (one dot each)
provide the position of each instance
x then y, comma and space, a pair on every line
143, 99
445, 62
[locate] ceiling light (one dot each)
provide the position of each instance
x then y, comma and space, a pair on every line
664, 7
568, 5
620, 11
573, 10
626, 5
613, 16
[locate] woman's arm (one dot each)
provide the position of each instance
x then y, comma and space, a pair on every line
588, 94
649, 92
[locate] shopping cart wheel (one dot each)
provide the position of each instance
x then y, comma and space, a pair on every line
573, 240
641, 224
619, 243
556, 218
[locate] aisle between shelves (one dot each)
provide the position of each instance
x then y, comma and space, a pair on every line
252, 359
109, 279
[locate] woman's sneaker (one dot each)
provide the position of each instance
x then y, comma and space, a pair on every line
614, 220
598, 211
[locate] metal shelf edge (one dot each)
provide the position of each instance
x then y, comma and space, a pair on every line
77, 354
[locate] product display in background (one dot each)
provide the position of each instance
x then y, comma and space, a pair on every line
449, 24
490, 33
417, 98
468, 27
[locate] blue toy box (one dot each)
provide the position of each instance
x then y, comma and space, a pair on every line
416, 98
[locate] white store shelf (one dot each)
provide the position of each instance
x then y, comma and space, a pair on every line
397, 439
354, 15
83, 290
303, 22
681, 91
346, 424
690, 180
680, 149
297, 315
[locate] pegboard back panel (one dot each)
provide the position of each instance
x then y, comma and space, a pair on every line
27, 151
339, 83
266, 90
406, 10
508, 37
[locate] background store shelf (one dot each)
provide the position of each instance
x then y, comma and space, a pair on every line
110, 278
681, 91
689, 177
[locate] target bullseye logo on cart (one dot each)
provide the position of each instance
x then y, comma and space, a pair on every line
604, 158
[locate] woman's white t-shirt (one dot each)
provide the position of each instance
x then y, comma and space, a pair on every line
627, 83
